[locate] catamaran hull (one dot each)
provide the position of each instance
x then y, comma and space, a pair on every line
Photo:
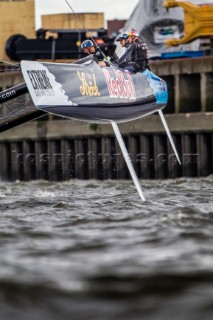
90, 93
84, 91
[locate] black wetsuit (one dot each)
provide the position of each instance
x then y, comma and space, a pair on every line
109, 52
135, 57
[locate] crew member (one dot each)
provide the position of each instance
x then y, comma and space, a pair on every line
123, 40
135, 58
104, 53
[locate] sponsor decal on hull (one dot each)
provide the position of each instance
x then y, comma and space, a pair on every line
120, 86
41, 83
7, 94
88, 84
159, 87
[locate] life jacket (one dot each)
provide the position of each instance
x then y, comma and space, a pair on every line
141, 51
136, 55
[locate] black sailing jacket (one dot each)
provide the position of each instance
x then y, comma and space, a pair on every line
109, 52
136, 55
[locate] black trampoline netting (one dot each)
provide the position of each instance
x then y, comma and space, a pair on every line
17, 111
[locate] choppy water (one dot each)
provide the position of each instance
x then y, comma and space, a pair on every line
93, 250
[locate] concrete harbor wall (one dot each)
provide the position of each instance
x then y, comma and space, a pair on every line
190, 83
63, 149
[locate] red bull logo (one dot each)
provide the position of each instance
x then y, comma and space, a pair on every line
120, 86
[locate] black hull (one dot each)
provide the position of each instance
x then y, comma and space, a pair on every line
102, 114
90, 93
81, 91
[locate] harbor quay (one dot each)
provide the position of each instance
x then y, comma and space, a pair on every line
65, 149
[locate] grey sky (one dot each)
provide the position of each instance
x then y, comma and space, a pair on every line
113, 9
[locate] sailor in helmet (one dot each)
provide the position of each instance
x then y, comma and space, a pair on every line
123, 40
104, 53
135, 59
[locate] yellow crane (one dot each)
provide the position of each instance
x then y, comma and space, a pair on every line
198, 20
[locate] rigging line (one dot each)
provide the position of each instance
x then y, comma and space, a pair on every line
10, 63
8, 70
81, 22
